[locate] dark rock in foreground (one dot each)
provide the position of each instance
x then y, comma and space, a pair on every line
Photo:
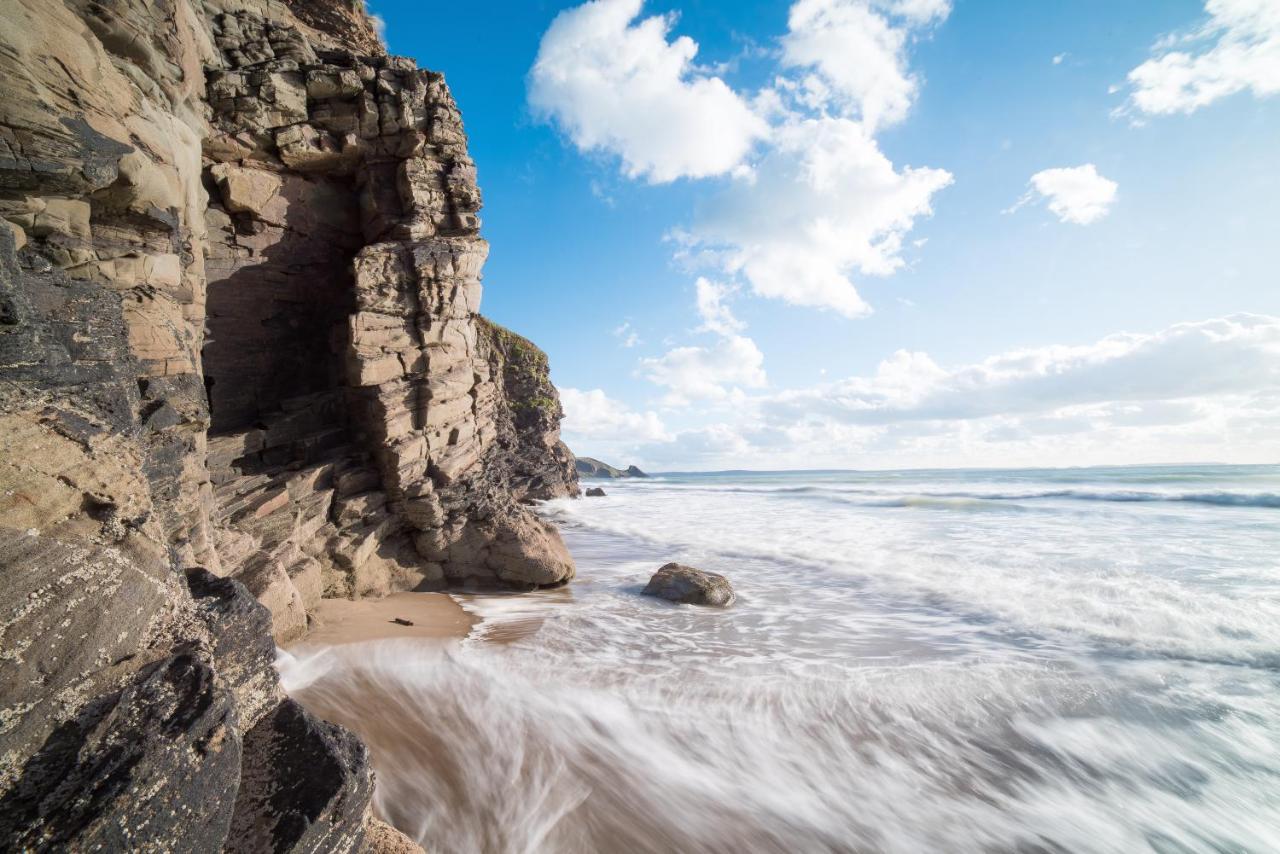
305, 786
595, 492
679, 583
154, 767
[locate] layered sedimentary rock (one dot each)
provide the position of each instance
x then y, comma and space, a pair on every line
241, 365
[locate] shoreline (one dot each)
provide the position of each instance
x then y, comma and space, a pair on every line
503, 618
856, 668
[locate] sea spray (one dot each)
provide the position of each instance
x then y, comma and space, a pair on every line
1101, 676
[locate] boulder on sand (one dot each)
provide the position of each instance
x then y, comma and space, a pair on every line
595, 492
679, 583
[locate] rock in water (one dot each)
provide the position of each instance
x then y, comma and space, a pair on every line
679, 583
595, 492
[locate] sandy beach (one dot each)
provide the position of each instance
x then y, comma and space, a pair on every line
434, 616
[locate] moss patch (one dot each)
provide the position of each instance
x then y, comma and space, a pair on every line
516, 350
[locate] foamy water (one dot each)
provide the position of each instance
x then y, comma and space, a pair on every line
925, 661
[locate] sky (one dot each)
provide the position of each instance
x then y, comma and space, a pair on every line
881, 233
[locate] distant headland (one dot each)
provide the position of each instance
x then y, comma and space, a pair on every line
589, 467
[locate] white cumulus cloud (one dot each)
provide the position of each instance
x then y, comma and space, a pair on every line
858, 54
825, 204
594, 415
707, 373
616, 84
812, 201
1076, 194
1237, 49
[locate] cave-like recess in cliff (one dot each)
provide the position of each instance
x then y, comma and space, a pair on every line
276, 319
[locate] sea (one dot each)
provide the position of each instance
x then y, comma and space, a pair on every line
1049, 660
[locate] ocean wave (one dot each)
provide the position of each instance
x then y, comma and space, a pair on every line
961, 500
923, 497
1222, 499
941, 502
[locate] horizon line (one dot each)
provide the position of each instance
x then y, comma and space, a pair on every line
960, 468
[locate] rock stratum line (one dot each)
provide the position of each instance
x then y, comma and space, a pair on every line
241, 365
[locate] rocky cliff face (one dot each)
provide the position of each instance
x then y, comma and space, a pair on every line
239, 284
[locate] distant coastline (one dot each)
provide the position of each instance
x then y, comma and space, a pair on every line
591, 467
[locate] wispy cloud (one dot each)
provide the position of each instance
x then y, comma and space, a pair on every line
1231, 355
713, 308
626, 336
1202, 390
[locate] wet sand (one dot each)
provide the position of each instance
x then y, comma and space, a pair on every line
374, 676
435, 616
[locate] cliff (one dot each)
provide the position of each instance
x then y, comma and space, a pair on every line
240, 359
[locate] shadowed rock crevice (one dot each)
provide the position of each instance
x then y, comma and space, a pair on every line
276, 318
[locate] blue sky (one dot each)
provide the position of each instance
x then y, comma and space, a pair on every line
928, 233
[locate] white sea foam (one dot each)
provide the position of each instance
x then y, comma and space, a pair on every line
1094, 675
1176, 580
